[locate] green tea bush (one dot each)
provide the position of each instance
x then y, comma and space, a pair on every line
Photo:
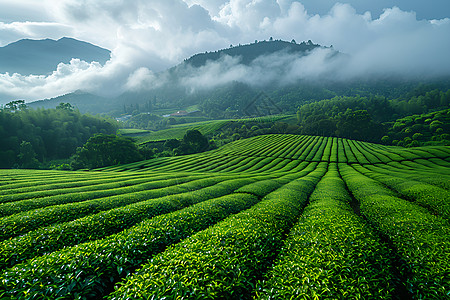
421, 239
23, 222
226, 260
89, 270
52, 238
330, 253
84, 193
432, 197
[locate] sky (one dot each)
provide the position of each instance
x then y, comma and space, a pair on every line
146, 37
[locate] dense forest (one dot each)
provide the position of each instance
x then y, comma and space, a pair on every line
372, 118
29, 137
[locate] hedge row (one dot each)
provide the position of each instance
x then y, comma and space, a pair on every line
432, 197
330, 253
63, 182
23, 222
89, 270
421, 239
436, 179
87, 193
226, 260
48, 239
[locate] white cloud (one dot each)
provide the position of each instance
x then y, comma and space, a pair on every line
148, 36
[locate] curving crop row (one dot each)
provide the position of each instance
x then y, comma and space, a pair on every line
241, 167
311, 147
63, 178
89, 269
316, 152
21, 223
225, 260
7, 209
421, 239
330, 253
90, 228
236, 164
431, 197
371, 157
436, 179
61, 186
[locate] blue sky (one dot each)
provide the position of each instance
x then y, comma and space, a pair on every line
393, 36
425, 9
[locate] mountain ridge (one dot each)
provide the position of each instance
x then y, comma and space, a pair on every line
249, 52
41, 57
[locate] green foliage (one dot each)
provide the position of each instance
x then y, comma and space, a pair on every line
193, 142
422, 240
51, 133
226, 259
105, 150
330, 253
93, 267
360, 118
97, 226
27, 156
195, 225
20, 223
421, 130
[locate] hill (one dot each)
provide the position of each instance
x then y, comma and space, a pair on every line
250, 52
264, 218
41, 57
84, 102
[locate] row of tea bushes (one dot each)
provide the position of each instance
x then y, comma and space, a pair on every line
225, 260
331, 253
421, 239
432, 197
87, 270
21, 223
48, 239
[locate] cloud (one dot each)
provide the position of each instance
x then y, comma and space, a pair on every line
279, 69
148, 37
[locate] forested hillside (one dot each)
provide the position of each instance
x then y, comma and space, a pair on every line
29, 137
371, 118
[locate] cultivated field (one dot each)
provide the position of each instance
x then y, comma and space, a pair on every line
270, 217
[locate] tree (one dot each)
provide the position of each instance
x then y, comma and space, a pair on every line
27, 156
193, 142
103, 150
15, 105
65, 106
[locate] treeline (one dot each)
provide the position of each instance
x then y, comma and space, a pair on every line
366, 118
29, 137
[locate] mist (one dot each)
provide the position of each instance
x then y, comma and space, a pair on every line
146, 39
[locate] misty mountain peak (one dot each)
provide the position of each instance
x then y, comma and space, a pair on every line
41, 57
249, 52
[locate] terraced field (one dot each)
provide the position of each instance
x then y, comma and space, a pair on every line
271, 217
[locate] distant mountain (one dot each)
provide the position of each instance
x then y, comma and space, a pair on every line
84, 102
40, 57
231, 97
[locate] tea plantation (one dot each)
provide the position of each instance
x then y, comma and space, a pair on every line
270, 217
